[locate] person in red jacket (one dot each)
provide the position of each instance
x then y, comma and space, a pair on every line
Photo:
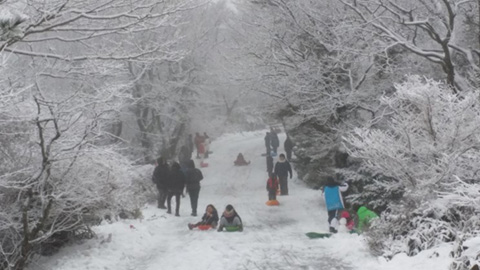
272, 187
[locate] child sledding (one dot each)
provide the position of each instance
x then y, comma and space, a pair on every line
272, 188
209, 219
240, 161
230, 220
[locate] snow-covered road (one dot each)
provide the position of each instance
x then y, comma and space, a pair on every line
273, 237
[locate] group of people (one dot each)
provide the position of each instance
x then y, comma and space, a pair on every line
338, 217
278, 174
172, 180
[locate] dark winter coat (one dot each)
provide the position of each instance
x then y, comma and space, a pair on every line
267, 140
184, 155
283, 169
176, 179
288, 145
208, 220
193, 176
160, 176
269, 163
275, 140
190, 144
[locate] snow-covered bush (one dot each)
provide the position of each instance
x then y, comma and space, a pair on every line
430, 149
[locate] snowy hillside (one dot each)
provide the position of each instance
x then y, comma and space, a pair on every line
273, 237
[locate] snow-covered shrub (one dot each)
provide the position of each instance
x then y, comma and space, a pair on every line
430, 149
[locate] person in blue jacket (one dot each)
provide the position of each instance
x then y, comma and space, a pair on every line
334, 201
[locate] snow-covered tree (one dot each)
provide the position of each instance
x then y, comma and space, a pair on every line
428, 147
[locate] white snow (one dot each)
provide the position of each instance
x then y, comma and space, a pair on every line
273, 237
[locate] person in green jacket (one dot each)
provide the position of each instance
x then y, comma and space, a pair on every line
364, 217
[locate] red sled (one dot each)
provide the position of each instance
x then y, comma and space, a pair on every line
204, 227
203, 164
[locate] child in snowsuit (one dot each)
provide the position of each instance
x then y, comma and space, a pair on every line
272, 187
230, 218
209, 218
334, 201
350, 223
240, 161
364, 217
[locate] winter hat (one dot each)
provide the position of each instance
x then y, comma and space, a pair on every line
345, 215
229, 211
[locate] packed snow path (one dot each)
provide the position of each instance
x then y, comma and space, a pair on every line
273, 237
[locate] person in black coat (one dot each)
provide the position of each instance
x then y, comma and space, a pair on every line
288, 146
175, 186
160, 178
184, 156
193, 176
282, 170
209, 218
190, 144
268, 143
274, 141
269, 164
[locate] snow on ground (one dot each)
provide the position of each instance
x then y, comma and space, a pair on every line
273, 237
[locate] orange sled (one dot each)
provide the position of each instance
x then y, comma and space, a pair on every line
272, 203
203, 164
204, 227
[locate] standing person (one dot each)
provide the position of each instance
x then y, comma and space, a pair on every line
288, 146
333, 200
274, 140
282, 170
184, 156
206, 143
190, 144
193, 176
272, 187
267, 143
198, 141
269, 163
176, 184
160, 178
230, 218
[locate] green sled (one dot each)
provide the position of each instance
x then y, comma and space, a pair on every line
314, 235
231, 228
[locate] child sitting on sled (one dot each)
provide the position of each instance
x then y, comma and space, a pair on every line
272, 187
240, 161
209, 218
230, 220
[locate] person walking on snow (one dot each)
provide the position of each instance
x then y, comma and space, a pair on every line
209, 218
334, 201
230, 218
288, 146
193, 176
268, 143
175, 186
274, 140
272, 187
282, 170
198, 141
206, 143
160, 178
269, 164
190, 143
